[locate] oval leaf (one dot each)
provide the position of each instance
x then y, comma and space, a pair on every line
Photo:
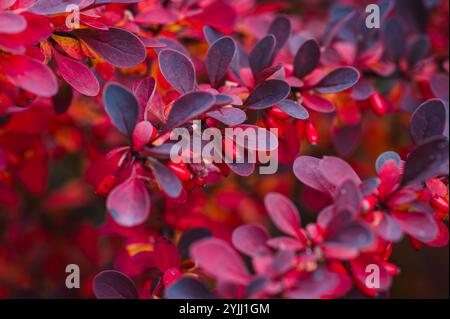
118, 47
219, 58
268, 94
294, 109
111, 284
122, 108
178, 70
219, 260
307, 58
283, 213
338, 80
261, 56
430, 119
166, 179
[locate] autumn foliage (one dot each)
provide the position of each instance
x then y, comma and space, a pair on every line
86, 177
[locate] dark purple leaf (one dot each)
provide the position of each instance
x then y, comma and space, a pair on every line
189, 237
122, 107
211, 34
281, 29
63, 99
353, 235
390, 155
346, 138
188, 288
430, 119
111, 284
188, 107
419, 49
174, 45
250, 239
116, 46
267, 73
267, 94
166, 179
178, 70
294, 109
338, 80
394, 39
440, 86
307, 58
224, 99
426, 161
219, 58
229, 116
47, 7
262, 54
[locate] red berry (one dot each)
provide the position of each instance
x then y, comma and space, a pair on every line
378, 103
311, 133
181, 171
106, 185
170, 276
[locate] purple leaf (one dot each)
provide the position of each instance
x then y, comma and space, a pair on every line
219, 58
389, 229
48, 7
430, 119
129, 203
315, 284
440, 86
362, 91
229, 116
394, 39
346, 138
178, 70
218, 259
267, 94
426, 161
419, 49
421, 226
211, 34
280, 28
294, 109
336, 171
166, 179
306, 169
189, 237
267, 73
242, 169
348, 197
188, 288
188, 107
338, 80
261, 56
353, 236
283, 213
250, 239
122, 108
79, 76
118, 47
111, 284
307, 58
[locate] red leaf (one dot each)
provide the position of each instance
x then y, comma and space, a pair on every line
283, 213
129, 203
29, 74
219, 260
79, 76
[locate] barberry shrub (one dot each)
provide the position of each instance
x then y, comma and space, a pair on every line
92, 92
